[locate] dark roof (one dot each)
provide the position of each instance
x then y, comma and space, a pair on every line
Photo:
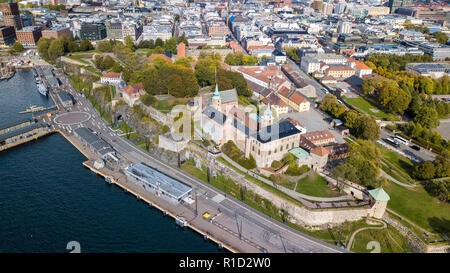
355, 81
20, 131
65, 96
215, 115
9, 124
277, 131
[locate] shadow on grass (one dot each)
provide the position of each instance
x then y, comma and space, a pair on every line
440, 225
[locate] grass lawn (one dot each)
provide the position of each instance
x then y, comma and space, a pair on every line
93, 70
391, 241
419, 207
78, 58
315, 185
399, 165
334, 235
262, 184
166, 106
366, 107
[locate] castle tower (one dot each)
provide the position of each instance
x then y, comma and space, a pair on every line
216, 101
381, 199
267, 117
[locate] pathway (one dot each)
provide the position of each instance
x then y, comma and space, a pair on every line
289, 192
394, 180
350, 242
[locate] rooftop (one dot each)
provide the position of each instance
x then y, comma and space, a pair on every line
165, 183
299, 153
379, 195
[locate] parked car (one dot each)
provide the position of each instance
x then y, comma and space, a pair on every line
415, 147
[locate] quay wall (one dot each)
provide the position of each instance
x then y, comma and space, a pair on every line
163, 210
25, 140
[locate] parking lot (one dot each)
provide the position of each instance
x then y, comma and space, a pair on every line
314, 120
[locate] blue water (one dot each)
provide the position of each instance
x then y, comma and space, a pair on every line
47, 199
19, 93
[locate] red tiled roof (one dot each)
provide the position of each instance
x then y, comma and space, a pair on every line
320, 151
112, 75
134, 88
359, 65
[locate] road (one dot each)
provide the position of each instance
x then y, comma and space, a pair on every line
264, 233
423, 154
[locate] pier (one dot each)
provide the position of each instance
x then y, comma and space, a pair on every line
119, 180
37, 109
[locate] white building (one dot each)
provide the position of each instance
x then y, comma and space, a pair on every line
111, 78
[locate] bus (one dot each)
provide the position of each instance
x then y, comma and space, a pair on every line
401, 140
392, 141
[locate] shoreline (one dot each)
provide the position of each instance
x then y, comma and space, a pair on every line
113, 180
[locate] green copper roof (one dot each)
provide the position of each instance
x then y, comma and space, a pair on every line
216, 95
379, 195
299, 153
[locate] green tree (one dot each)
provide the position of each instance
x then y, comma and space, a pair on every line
129, 42
424, 170
86, 45
72, 46
171, 45
367, 128
105, 46
56, 49
159, 42
427, 117
441, 37
176, 86
43, 44
17, 47
117, 68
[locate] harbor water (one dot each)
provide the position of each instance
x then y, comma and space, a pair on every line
48, 199
19, 93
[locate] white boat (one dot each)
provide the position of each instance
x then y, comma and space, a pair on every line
42, 89
180, 221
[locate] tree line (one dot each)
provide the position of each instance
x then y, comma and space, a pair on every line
362, 166
360, 125
50, 48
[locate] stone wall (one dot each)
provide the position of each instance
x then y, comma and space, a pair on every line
156, 115
416, 244
300, 215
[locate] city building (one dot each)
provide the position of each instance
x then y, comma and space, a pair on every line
11, 15
29, 36
344, 27
65, 98
340, 71
294, 99
56, 32
7, 35
395, 4
132, 93
95, 143
111, 78
433, 70
92, 31
361, 69
114, 30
